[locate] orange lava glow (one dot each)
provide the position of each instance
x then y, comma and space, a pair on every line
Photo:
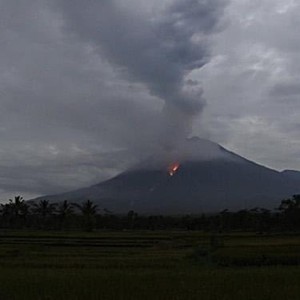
173, 168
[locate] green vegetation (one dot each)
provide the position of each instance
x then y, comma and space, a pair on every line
148, 265
18, 214
71, 251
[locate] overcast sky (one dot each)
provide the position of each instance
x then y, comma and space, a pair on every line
88, 88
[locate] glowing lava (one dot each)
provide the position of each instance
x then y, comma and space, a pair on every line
173, 168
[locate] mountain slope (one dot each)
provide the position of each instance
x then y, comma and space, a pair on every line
210, 178
291, 174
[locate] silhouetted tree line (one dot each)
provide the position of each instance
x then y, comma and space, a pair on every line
19, 214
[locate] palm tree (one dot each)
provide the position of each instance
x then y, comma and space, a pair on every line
89, 210
290, 209
64, 210
7, 215
44, 209
15, 211
18, 205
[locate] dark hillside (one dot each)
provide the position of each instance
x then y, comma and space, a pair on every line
215, 180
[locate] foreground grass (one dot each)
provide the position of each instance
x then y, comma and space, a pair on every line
271, 283
146, 265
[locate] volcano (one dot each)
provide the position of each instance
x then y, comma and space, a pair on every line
205, 177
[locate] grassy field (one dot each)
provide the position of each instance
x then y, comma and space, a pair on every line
148, 265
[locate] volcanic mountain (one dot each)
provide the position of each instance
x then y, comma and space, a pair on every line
201, 177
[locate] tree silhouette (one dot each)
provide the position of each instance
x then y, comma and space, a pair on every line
18, 205
131, 219
290, 209
88, 210
290, 204
64, 211
43, 209
15, 212
6, 214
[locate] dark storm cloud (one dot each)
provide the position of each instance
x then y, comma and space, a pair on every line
77, 108
62, 107
44, 171
285, 89
255, 70
87, 88
157, 53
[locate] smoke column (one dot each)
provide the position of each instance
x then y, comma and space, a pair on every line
158, 53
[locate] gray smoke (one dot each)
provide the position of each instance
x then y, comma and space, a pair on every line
157, 52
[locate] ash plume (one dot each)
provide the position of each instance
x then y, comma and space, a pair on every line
158, 52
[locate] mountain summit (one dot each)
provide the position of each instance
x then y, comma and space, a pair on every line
202, 176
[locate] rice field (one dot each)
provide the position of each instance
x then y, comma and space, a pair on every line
148, 265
